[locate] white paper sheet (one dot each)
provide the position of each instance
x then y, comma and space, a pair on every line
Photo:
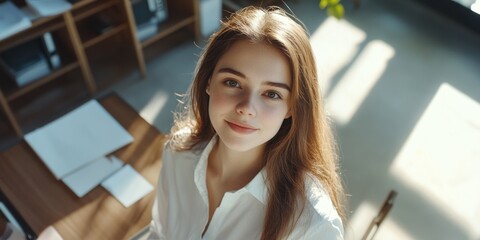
49, 7
91, 175
81, 136
12, 20
127, 186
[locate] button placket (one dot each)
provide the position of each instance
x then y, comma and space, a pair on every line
228, 202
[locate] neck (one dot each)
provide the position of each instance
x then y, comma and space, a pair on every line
235, 169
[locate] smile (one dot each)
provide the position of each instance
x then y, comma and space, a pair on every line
241, 128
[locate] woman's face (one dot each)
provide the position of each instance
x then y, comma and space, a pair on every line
249, 95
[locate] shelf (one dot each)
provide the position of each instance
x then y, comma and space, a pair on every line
99, 38
92, 9
49, 25
183, 36
16, 93
111, 61
168, 27
81, 4
98, 47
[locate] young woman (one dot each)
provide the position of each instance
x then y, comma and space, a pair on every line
252, 156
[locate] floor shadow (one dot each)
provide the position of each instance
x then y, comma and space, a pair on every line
424, 59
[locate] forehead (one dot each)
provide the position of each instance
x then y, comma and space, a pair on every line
256, 60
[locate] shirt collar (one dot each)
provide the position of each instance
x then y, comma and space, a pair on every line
256, 186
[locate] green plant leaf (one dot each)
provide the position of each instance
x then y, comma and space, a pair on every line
323, 4
336, 10
333, 2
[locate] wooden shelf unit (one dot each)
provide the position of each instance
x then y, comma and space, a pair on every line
10, 96
87, 59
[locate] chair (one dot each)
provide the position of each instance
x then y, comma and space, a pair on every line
377, 221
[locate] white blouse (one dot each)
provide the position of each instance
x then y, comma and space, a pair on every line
180, 211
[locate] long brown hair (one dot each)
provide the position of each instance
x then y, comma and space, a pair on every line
304, 144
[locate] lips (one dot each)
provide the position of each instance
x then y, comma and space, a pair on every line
241, 128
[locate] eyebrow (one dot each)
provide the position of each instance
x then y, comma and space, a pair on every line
232, 71
235, 72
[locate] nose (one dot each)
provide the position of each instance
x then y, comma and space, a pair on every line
247, 107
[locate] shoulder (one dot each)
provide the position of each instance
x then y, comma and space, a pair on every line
319, 198
171, 156
170, 150
324, 218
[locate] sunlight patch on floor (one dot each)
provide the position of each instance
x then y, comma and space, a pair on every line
155, 105
357, 82
441, 158
334, 44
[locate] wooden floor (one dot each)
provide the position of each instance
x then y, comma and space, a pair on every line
44, 201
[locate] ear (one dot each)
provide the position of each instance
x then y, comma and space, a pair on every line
289, 114
208, 88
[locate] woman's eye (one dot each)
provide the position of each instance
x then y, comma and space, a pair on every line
231, 83
273, 95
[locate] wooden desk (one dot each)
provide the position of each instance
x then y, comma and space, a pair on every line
44, 201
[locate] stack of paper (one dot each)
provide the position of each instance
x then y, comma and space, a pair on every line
74, 148
89, 176
127, 185
77, 138
12, 20
49, 7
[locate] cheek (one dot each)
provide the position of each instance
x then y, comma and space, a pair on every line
218, 102
274, 115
